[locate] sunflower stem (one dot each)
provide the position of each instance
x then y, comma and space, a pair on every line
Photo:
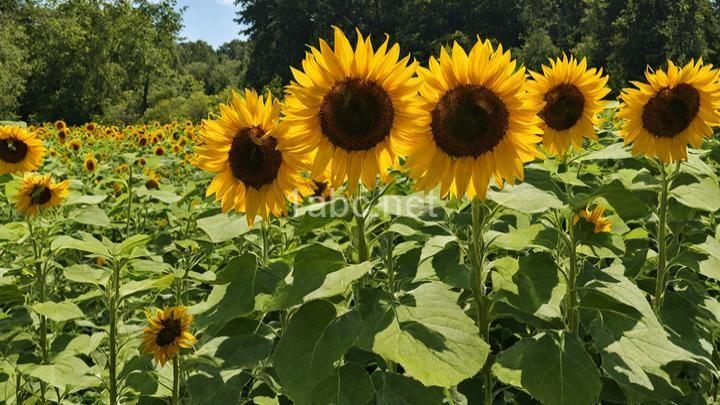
129, 206
571, 318
265, 232
112, 360
661, 240
176, 380
360, 241
42, 297
477, 251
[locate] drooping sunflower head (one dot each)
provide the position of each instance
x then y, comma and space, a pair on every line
245, 146
595, 217
568, 96
670, 111
477, 122
38, 192
90, 163
20, 150
168, 331
349, 107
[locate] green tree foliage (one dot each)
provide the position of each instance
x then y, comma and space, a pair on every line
13, 65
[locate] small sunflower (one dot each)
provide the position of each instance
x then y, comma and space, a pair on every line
159, 151
90, 127
153, 180
569, 97
349, 106
256, 172
671, 110
169, 331
60, 125
75, 145
477, 122
62, 136
595, 217
90, 163
20, 150
39, 192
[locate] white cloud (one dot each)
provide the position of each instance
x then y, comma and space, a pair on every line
227, 2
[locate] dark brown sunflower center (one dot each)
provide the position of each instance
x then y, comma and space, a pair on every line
40, 195
90, 165
469, 120
564, 105
12, 150
671, 111
356, 114
253, 158
171, 330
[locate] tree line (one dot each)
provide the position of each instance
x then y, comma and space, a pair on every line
124, 60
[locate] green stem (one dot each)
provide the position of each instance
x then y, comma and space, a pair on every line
42, 297
129, 207
571, 320
176, 380
112, 362
661, 240
362, 248
265, 232
477, 251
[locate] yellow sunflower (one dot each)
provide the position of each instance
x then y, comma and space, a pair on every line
20, 150
90, 163
569, 97
39, 192
60, 125
153, 180
477, 122
75, 145
348, 108
256, 172
671, 110
169, 330
595, 217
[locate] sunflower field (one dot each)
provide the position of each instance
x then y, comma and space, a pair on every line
453, 231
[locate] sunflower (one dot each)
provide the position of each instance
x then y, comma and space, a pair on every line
569, 97
142, 141
60, 125
20, 150
348, 108
90, 127
247, 149
62, 136
169, 330
595, 217
671, 110
75, 145
39, 192
90, 163
153, 180
477, 122
159, 151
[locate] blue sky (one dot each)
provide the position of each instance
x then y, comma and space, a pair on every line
209, 20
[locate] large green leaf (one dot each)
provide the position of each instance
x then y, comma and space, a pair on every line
635, 348
87, 244
91, 215
526, 198
234, 298
397, 389
703, 195
318, 272
348, 385
315, 339
533, 285
58, 311
68, 372
136, 286
553, 367
426, 332
242, 351
83, 273
223, 227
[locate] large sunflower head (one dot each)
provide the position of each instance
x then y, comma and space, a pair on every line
169, 330
349, 107
38, 192
477, 122
670, 111
20, 150
245, 146
569, 96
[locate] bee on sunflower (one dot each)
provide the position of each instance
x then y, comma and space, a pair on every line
670, 111
569, 96
350, 108
477, 123
20, 150
39, 192
168, 331
256, 169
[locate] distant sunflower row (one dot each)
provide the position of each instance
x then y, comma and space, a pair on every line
353, 114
